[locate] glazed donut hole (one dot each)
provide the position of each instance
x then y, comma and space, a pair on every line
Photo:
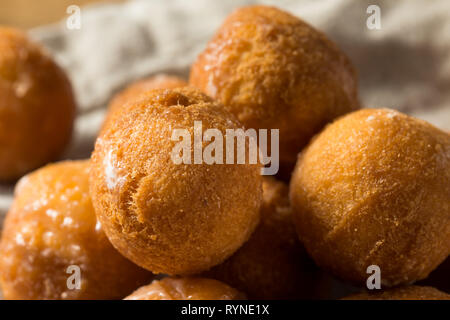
50, 230
187, 288
37, 106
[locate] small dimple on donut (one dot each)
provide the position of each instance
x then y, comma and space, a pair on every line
135, 89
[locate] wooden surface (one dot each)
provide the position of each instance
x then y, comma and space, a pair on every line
27, 14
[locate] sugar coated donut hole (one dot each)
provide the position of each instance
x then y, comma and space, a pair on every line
187, 288
274, 71
402, 293
272, 264
167, 217
37, 106
373, 189
51, 228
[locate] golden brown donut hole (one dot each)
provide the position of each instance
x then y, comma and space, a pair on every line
171, 218
372, 189
37, 106
275, 71
52, 226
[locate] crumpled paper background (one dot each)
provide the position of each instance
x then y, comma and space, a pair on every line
405, 65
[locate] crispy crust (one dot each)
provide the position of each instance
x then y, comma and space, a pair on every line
373, 189
166, 217
51, 226
274, 71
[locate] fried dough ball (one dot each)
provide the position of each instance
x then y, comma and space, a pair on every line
134, 90
171, 218
186, 289
402, 293
52, 226
274, 71
272, 264
373, 189
37, 106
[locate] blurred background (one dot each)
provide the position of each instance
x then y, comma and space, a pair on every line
27, 14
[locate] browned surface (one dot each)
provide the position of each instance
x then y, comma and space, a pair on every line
52, 225
274, 71
186, 289
272, 264
171, 218
373, 189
